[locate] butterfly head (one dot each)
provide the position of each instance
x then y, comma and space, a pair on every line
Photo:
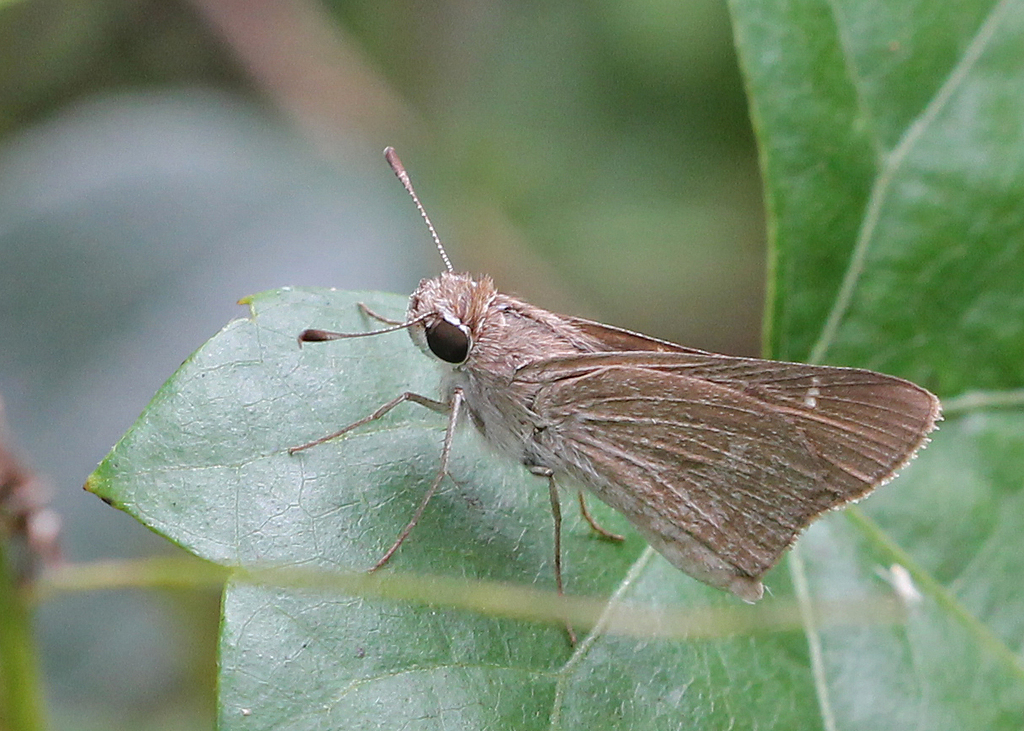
447, 311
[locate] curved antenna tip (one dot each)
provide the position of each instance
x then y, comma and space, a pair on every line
396, 165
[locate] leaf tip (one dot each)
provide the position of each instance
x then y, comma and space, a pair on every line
249, 301
96, 485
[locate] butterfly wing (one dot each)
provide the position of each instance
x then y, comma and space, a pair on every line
618, 339
719, 461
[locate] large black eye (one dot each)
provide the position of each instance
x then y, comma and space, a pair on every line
448, 342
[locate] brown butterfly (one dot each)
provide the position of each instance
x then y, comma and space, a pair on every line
720, 462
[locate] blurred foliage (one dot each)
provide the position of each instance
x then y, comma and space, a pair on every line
159, 160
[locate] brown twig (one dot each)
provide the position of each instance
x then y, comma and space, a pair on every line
25, 516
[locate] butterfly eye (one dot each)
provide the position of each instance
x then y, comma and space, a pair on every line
448, 342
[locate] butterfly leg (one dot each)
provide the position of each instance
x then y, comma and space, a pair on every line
431, 404
380, 318
556, 513
442, 472
453, 408
601, 531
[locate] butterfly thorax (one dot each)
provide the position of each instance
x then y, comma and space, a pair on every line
506, 335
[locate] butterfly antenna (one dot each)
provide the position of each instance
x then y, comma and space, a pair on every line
392, 157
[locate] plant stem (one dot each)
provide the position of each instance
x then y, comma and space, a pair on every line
21, 702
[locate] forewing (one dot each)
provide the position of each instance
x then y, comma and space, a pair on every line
739, 454
618, 339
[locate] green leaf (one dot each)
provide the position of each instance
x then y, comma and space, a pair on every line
207, 465
893, 153
892, 147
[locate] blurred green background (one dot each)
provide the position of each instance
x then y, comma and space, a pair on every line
160, 160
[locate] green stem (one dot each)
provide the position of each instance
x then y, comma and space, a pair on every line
21, 702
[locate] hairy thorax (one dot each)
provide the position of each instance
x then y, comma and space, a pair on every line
507, 335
